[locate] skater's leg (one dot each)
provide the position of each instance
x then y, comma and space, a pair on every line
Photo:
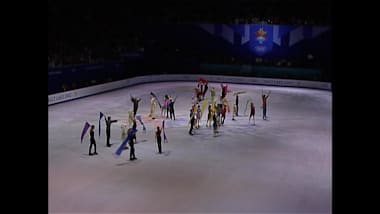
89, 150
95, 149
108, 139
265, 113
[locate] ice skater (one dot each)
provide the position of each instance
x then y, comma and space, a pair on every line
158, 137
92, 141
209, 116
164, 106
153, 105
130, 118
198, 116
264, 99
200, 87
132, 155
224, 110
213, 94
134, 127
167, 106
108, 129
135, 102
215, 125
225, 102
224, 90
124, 134
198, 94
252, 114
205, 91
192, 121
132, 142
171, 108
234, 113
219, 112
237, 105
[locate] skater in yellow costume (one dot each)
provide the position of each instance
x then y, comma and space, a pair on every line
130, 118
153, 105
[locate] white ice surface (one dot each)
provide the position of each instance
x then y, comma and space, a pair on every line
283, 165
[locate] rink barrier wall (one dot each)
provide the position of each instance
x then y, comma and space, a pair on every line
88, 91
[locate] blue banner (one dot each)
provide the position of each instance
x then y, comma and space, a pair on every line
122, 146
261, 38
85, 128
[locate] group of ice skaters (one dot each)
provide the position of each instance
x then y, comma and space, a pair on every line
168, 107
124, 131
217, 110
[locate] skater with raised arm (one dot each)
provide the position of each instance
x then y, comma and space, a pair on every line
165, 107
108, 129
171, 108
134, 127
264, 99
135, 102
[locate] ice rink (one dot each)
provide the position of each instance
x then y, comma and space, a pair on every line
282, 165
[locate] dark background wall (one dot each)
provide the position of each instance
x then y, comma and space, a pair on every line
96, 42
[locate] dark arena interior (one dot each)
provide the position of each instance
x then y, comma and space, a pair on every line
240, 92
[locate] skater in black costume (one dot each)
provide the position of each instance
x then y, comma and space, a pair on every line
237, 105
264, 99
108, 129
215, 125
171, 108
135, 102
158, 137
132, 145
92, 141
192, 121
